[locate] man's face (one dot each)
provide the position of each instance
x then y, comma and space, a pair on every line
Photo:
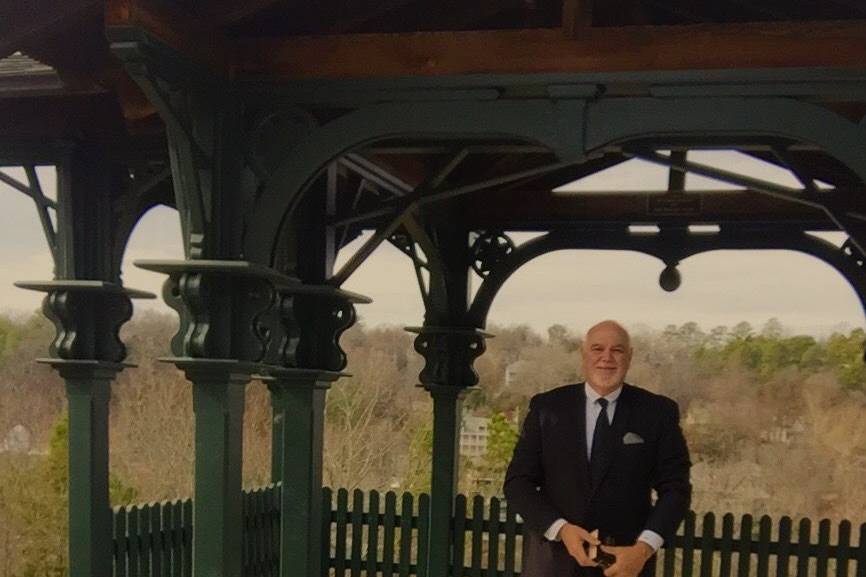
606, 357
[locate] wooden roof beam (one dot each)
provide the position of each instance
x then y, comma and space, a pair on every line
183, 33
631, 48
227, 12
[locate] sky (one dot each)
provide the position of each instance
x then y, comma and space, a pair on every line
573, 288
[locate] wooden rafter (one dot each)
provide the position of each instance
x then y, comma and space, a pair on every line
701, 46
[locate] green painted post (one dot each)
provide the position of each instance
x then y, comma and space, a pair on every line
218, 402
447, 403
298, 399
88, 389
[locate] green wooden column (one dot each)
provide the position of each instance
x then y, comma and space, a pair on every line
306, 360
87, 355
447, 404
298, 398
88, 390
222, 341
449, 353
87, 304
218, 401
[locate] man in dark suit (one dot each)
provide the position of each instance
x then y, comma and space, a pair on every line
588, 458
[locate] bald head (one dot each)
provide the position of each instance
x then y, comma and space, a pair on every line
606, 354
609, 326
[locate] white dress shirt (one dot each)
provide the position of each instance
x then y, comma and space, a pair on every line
593, 410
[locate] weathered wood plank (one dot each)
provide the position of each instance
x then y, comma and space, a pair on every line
631, 48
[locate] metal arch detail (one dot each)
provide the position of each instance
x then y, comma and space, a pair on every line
668, 247
617, 120
557, 125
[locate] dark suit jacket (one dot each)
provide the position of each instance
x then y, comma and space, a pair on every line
548, 477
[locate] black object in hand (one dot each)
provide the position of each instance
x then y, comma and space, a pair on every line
603, 558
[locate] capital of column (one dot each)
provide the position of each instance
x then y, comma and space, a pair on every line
280, 380
449, 353
87, 316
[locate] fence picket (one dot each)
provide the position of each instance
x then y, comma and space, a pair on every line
134, 541
423, 533
167, 528
744, 556
804, 536
146, 540
688, 545
726, 545
406, 513
327, 507
843, 548
389, 526
783, 556
861, 552
510, 540
493, 538
477, 535
372, 533
357, 531
708, 534
187, 538
342, 519
765, 526
459, 536
156, 539
120, 542
823, 553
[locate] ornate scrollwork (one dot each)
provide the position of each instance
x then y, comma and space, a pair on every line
449, 355
322, 319
490, 249
87, 324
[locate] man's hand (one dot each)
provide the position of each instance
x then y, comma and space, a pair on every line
575, 540
629, 560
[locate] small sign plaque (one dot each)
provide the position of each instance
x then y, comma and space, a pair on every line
674, 204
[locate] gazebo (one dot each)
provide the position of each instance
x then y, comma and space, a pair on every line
281, 131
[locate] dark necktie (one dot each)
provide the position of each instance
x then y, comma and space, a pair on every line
600, 454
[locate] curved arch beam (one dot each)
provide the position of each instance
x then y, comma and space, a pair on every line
556, 125
616, 120
667, 248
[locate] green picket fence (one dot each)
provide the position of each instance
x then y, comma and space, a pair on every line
155, 540
371, 534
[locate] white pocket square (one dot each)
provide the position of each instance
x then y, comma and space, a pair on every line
632, 439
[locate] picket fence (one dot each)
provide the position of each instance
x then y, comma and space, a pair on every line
373, 534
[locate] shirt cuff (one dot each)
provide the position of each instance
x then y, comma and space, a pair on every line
552, 533
652, 539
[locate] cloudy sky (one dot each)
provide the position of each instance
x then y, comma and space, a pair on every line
575, 288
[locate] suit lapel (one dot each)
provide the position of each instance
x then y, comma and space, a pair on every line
580, 434
618, 428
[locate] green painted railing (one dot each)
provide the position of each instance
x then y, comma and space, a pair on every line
373, 534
